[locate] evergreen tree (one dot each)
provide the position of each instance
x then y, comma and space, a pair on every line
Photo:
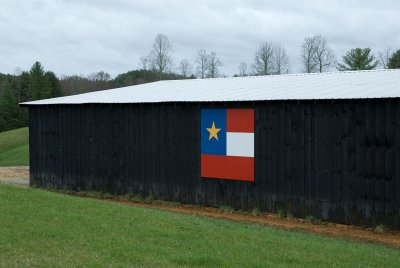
358, 59
39, 85
21, 95
55, 84
394, 60
9, 110
23, 87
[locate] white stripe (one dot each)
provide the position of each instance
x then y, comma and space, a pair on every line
240, 144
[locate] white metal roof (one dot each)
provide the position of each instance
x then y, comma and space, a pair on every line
334, 85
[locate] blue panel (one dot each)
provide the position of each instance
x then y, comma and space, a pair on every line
213, 146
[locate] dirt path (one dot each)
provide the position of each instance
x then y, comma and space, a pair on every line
389, 238
15, 175
20, 176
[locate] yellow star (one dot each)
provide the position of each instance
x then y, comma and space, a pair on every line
213, 131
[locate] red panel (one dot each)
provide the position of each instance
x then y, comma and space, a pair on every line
227, 167
240, 120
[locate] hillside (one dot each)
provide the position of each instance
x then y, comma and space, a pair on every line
14, 147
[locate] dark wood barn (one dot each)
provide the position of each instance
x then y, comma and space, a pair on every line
326, 145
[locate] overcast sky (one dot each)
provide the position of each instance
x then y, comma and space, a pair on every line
82, 37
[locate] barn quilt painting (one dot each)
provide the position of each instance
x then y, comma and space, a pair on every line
227, 144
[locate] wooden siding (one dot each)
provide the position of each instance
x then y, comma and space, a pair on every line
336, 160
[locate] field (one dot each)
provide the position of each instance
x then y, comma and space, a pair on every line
40, 228
14, 147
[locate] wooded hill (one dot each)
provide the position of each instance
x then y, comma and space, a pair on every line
37, 84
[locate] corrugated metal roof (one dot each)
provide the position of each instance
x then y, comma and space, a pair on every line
334, 85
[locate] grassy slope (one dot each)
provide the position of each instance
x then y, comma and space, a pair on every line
14, 149
40, 228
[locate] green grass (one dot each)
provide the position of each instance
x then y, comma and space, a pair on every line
14, 148
39, 228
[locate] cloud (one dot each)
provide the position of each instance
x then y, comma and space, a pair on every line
73, 37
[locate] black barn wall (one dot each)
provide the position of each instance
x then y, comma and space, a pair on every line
336, 160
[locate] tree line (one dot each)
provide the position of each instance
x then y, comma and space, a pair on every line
37, 84
270, 58
24, 86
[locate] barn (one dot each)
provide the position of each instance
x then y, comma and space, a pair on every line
326, 145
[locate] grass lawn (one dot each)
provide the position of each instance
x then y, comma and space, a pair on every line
14, 148
39, 228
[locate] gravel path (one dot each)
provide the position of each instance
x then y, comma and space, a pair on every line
15, 175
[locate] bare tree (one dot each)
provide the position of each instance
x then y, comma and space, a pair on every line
213, 64
202, 61
243, 69
159, 57
316, 55
185, 68
99, 76
384, 57
144, 63
263, 61
324, 56
280, 60
308, 55
17, 71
